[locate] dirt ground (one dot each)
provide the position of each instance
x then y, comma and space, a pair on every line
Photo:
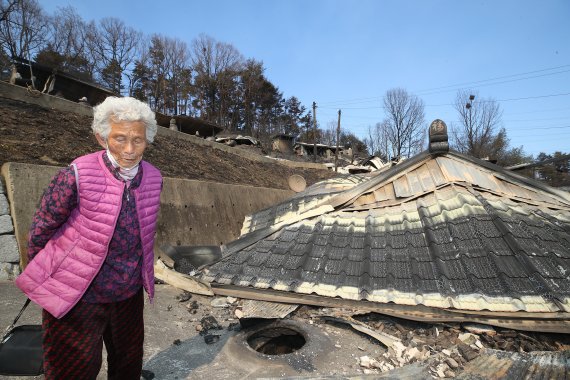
31, 134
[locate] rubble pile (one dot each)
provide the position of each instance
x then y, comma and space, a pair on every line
448, 347
442, 335
444, 348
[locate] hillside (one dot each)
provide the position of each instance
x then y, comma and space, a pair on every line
31, 134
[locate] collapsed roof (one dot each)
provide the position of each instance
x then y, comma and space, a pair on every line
441, 229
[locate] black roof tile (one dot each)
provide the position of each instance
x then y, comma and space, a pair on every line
493, 246
497, 245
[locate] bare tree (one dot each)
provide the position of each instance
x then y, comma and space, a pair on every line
163, 74
378, 141
216, 66
139, 77
404, 122
177, 71
67, 32
6, 7
479, 120
115, 47
329, 134
67, 46
23, 28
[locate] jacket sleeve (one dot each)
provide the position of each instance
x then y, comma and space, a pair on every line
58, 200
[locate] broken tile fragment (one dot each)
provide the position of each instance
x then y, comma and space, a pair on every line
219, 302
452, 363
467, 338
479, 329
209, 323
467, 352
211, 338
365, 361
184, 296
412, 354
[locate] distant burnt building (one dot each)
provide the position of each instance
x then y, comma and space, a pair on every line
307, 149
189, 125
282, 143
52, 81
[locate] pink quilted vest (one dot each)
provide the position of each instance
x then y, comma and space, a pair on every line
59, 275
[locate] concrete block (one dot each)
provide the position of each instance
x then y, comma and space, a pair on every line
4, 207
9, 271
2, 189
25, 185
6, 226
9, 249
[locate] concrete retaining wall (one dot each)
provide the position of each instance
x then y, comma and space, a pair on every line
192, 212
22, 94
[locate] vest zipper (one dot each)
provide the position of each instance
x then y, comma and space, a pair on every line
127, 191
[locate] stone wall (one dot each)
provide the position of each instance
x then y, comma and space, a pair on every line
9, 253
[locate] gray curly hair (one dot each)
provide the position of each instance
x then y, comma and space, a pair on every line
114, 109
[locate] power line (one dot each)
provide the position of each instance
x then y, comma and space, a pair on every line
350, 101
492, 79
348, 116
510, 130
507, 100
426, 91
509, 114
525, 128
495, 83
541, 138
527, 120
537, 111
451, 104
539, 128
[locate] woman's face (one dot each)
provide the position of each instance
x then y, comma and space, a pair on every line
126, 142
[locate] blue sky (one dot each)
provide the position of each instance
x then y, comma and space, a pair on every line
345, 54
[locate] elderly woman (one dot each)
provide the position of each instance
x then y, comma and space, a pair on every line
91, 249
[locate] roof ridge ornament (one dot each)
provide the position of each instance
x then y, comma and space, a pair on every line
438, 139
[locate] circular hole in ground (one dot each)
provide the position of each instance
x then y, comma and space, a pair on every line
276, 341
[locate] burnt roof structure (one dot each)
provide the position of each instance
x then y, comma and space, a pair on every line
441, 229
68, 86
189, 125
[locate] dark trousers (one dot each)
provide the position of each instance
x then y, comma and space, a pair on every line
73, 345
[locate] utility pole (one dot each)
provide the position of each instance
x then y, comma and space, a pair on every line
315, 131
469, 106
337, 137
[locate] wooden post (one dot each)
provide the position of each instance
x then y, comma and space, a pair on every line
315, 131
337, 138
